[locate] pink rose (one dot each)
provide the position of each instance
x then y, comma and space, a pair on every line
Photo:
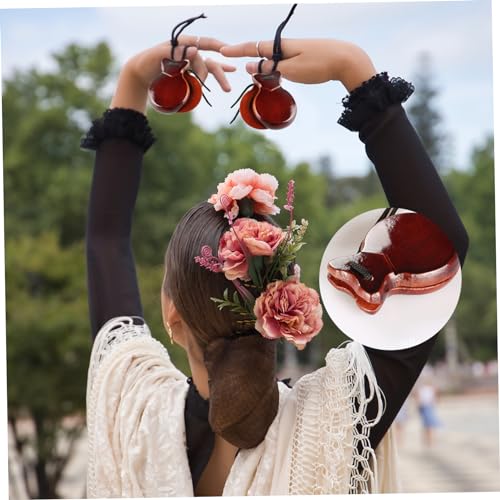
289, 309
246, 183
259, 238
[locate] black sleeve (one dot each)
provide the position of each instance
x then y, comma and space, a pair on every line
120, 139
409, 180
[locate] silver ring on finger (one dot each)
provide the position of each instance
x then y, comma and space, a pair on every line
197, 43
257, 47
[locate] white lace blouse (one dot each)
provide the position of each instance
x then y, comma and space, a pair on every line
317, 444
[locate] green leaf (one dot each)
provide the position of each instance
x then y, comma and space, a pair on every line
255, 267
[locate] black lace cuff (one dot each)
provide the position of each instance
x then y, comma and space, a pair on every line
120, 123
371, 97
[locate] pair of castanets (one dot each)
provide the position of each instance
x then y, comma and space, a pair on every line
402, 253
264, 104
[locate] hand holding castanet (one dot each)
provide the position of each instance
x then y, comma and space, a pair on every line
144, 68
310, 61
178, 88
264, 103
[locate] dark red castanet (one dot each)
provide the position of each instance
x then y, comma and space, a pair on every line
175, 90
247, 111
267, 104
405, 253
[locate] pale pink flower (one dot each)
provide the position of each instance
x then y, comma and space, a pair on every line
258, 238
246, 183
229, 206
290, 196
208, 261
296, 271
289, 309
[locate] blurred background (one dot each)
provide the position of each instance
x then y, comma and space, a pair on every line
59, 68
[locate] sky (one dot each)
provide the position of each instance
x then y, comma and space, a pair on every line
457, 34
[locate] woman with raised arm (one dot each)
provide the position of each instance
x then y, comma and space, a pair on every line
232, 428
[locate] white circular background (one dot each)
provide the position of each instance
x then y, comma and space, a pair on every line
403, 320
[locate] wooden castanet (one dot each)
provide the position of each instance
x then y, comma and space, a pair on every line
246, 108
267, 104
264, 103
176, 90
405, 253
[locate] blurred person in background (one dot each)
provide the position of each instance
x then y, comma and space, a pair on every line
426, 396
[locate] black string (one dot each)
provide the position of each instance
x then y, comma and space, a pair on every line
235, 116
206, 100
184, 52
241, 95
191, 70
236, 102
181, 27
277, 54
388, 212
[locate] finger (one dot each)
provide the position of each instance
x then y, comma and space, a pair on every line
196, 61
202, 42
228, 67
287, 68
266, 66
289, 48
182, 52
199, 67
218, 72
248, 49
253, 67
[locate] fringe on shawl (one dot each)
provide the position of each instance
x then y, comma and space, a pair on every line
331, 452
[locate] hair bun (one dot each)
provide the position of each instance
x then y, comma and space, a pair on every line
244, 394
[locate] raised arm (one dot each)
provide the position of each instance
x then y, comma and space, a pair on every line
409, 180
406, 172
407, 175
120, 138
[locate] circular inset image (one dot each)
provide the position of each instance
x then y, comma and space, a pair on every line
390, 278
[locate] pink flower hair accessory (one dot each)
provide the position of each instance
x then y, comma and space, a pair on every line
248, 238
289, 309
259, 260
208, 260
246, 184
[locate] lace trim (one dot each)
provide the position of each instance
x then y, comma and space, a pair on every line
371, 97
305, 438
120, 123
331, 451
114, 332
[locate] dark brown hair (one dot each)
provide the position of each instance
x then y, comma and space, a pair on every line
241, 368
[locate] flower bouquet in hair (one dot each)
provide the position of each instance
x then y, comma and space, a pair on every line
258, 257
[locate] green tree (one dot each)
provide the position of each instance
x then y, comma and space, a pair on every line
46, 179
474, 194
47, 353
